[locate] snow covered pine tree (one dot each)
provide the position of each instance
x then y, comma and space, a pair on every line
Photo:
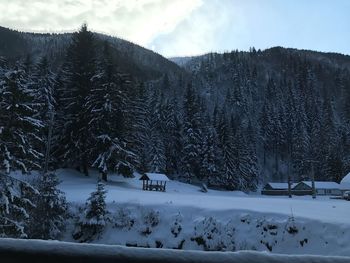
94, 217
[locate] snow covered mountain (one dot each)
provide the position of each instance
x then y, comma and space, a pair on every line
235, 119
133, 59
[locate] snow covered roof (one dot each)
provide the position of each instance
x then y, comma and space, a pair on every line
346, 179
154, 177
323, 185
281, 185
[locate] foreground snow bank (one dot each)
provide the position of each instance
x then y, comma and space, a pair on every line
15, 250
191, 228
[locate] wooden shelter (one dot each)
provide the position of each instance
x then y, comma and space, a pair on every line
154, 182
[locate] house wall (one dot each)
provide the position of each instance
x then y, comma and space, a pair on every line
328, 192
302, 186
285, 192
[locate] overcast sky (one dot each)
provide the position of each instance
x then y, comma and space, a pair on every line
190, 27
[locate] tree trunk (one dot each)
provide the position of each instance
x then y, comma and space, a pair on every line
84, 166
85, 169
104, 176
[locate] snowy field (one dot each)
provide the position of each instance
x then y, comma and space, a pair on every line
185, 218
129, 191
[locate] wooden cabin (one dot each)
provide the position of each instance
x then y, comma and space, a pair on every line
276, 189
322, 188
154, 182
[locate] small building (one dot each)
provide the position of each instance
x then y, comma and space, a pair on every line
154, 182
345, 183
276, 189
322, 188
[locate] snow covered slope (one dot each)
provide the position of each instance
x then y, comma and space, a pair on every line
185, 218
129, 191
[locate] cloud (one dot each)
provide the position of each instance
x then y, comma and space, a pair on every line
207, 29
137, 20
189, 27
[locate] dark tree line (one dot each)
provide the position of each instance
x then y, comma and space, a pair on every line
294, 108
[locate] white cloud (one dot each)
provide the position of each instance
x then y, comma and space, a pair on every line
137, 20
207, 29
188, 27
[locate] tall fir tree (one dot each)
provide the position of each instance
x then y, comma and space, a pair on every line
106, 105
19, 125
192, 135
75, 116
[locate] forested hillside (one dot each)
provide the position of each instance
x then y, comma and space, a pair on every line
232, 120
291, 107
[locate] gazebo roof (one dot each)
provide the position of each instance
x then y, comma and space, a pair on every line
154, 177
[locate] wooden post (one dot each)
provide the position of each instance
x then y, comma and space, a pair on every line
289, 177
313, 181
289, 187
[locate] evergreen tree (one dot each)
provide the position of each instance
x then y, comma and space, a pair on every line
210, 158
245, 161
171, 134
48, 218
192, 135
19, 126
44, 84
329, 135
16, 202
106, 104
156, 160
79, 70
137, 133
228, 170
93, 219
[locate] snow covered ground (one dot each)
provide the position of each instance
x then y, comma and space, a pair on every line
185, 218
17, 250
126, 190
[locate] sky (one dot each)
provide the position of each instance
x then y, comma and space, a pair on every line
192, 27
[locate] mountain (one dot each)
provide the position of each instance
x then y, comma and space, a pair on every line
282, 93
233, 120
133, 59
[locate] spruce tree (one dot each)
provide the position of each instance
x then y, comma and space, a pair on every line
229, 179
156, 160
19, 125
17, 199
93, 219
192, 135
136, 136
44, 84
171, 131
48, 218
75, 116
106, 105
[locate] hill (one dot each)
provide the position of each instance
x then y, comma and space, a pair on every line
233, 120
133, 59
